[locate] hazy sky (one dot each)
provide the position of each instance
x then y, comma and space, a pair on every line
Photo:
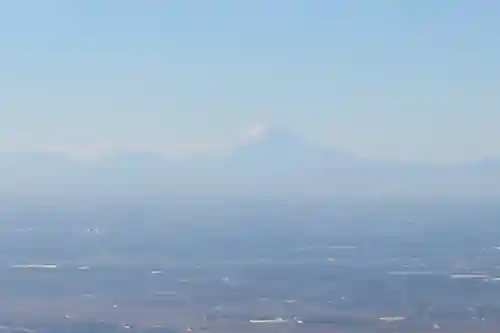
410, 80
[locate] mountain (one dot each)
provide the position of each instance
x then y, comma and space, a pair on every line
277, 163
279, 148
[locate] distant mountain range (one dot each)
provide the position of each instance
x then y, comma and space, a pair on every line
278, 163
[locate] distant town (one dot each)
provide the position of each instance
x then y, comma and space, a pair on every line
234, 275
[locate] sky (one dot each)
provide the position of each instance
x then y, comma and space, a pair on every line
389, 79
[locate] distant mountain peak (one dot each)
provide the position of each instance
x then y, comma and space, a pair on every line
277, 138
275, 148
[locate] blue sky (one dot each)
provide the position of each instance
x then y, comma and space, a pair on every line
405, 80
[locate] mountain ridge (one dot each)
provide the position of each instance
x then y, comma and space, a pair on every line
277, 162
